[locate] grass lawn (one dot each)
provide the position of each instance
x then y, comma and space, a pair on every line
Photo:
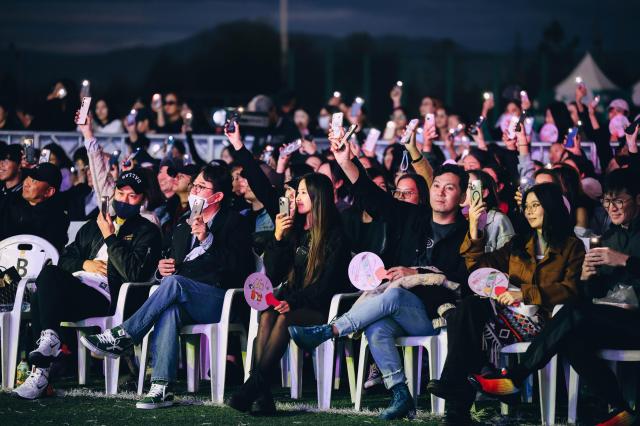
76, 405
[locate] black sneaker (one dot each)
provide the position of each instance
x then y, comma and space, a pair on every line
264, 405
157, 397
459, 391
111, 343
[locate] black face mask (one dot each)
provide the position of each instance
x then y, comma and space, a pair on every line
124, 210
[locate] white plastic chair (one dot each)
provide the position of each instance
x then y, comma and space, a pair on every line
74, 227
28, 254
88, 325
546, 380
217, 336
437, 348
628, 385
291, 364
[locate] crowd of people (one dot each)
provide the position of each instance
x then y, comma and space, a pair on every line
413, 206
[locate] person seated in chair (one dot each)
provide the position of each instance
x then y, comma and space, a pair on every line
107, 252
209, 254
579, 331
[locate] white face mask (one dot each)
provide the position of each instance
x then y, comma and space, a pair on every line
193, 198
323, 122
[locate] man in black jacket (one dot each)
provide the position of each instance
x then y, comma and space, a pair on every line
425, 237
106, 252
40, 210
207, 257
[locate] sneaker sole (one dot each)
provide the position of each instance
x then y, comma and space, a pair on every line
87, 344
153, 406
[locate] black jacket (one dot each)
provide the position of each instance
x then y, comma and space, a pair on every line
281, 256
47, 219
133, 253
75, 200
411, 235
229, 259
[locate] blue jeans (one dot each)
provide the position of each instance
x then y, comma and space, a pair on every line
395, 313
178, 301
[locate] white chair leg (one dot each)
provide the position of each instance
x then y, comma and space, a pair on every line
251, 337
9, 341
350, 365
437, 355
111, 370
218, 355
144, 356
362, 365
419, 372
193, 362
205, 359
573, 392
324, 359
285, 374
337, 363
547, 383
295, 370
82, 359
411, 370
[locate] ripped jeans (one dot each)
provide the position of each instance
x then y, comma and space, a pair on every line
395, 313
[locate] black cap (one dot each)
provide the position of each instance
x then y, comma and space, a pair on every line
45, 172
133, 178
11, 152
187, 169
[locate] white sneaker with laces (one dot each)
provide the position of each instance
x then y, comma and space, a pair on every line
48, 349
35, 385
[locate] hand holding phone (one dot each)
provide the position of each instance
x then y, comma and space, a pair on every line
104, 208
336, 122
196, 210
371, 141
283, 206
347, 136
408, 131
571, 137
81, 118
45, 156
29, 151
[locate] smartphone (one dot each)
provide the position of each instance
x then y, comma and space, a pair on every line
632, 127
29, 151
45, 155
487, 95
594, 242
114, 158
336, 122
85, 90
571, 137
292, 147
595, 101
372, 140
511, 129
476, 192
389, 131
474, 129
521, 119
580, 82
188, 119
408, 131
196, 210
283, 204
430, 119
350, 131
156, 101
104, 209
129, 160
356, 106
131, 118
84, 110
525, 184
528, 125
524, 96
231, 122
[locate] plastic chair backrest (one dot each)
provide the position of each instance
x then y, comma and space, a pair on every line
74, 227
28, 254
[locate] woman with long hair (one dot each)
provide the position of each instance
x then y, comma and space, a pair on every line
310, 254
543, 267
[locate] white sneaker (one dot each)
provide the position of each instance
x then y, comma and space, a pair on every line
47, 351
35, 385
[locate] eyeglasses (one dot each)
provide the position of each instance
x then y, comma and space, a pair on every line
170, 102
403, 194
617, 202
531, 207
196, 188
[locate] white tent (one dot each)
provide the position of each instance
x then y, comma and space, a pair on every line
592, 76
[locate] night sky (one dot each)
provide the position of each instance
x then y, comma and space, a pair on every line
74, 26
